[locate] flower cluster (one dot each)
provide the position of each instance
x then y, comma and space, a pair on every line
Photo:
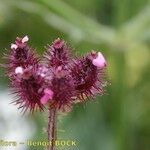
56, 80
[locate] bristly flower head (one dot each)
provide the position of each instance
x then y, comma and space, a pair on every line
57, 79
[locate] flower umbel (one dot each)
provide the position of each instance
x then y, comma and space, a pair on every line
57, 79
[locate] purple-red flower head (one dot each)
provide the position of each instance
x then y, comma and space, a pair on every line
57, 79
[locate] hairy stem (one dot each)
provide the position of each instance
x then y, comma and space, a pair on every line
52, 125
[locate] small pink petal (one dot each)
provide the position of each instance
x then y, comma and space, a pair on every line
48, 94
25, 39
14, 46
19, 70
99, 61
59, 68
44, 99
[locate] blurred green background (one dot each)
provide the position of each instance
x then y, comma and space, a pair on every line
120, 29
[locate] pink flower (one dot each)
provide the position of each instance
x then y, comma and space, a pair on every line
99, 61
48, 95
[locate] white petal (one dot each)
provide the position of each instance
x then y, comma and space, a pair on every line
42, 75
14, 46
19, 70
25, 39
